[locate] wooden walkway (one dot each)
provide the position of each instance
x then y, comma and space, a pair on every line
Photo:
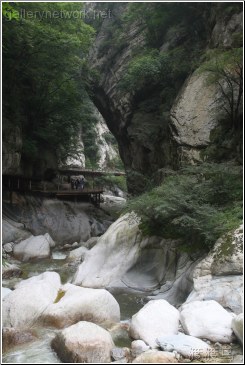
39, 188
68, 171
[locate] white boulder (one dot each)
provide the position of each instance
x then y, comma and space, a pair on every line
138, 347
185, 345
157, 318
237, 326
83, 342
23, 306
219, 275
34, 247
207, 319
114, 254
76, 304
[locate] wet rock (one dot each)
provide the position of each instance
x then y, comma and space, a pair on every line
237, 326
12, 337
34, 247
187, 346
83, 342
11, 271
207, 319
24, 305
154, 356
5, 291
138, 347
76, 304
156, 318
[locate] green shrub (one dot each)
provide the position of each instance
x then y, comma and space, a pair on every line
197, 204
111, 181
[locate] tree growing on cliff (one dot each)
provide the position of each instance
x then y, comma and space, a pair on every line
226, 71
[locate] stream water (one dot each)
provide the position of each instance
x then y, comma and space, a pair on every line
40, 351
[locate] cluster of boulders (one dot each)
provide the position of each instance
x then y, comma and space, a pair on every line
85, 320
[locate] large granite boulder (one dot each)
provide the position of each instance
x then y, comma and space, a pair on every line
33, 248
122, 258
207, 319
76, 304
23, 306
219, 275
157, 318
115, 253
83, 342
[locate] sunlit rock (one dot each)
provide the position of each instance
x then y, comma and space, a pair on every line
83, 342
156, 318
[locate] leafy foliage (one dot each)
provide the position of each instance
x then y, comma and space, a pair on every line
198, 204
45, 75
226, 71
111, 181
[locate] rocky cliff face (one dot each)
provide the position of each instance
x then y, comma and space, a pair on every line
11, 150
147, 142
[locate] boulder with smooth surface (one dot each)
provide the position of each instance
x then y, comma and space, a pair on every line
76, 304
156, 318
187, 346
23, 306
113, 255
33, 248
138, 347
83, 342
219, 275
207, 319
